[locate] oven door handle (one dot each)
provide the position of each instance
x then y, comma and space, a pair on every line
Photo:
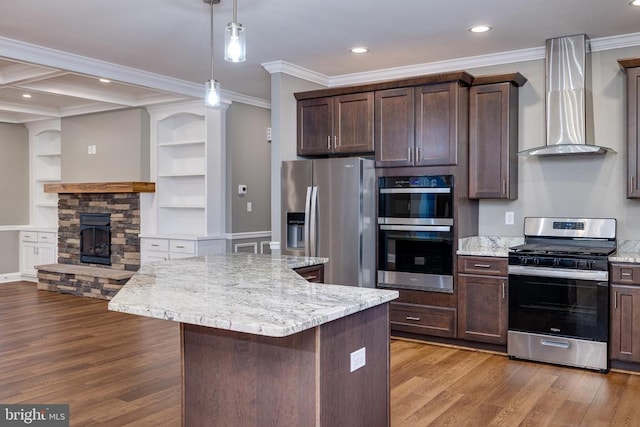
415, 228
559, 273
414, 221
440, 190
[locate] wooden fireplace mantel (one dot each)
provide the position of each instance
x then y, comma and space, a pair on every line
101, 187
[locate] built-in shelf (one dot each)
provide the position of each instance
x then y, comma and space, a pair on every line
46, 169
181, 143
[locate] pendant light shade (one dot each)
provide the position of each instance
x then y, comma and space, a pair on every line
235, 46
212, 95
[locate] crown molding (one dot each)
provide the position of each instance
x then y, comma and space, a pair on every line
615, 42
295, 71
521, 55
245, 99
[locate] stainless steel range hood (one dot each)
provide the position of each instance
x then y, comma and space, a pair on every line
568, 101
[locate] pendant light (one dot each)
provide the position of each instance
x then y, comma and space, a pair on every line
235, 47
212, 95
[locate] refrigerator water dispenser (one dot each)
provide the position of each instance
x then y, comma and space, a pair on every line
295, 230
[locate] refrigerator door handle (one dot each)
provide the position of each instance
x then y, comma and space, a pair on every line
313, 226
307, 213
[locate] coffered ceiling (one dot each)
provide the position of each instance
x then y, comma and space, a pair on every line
158, 51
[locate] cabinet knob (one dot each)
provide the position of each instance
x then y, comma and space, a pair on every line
482, 265
415, 319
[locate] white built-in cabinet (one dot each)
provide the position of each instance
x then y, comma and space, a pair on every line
36, 248
45, 149
182, 173
186, 215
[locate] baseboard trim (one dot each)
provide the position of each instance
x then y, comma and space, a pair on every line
15, 277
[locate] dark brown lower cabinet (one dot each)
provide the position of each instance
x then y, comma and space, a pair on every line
482, 300
624, 342
624, 339
424, 313
314, 273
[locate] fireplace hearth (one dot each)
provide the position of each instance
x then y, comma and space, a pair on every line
95, 238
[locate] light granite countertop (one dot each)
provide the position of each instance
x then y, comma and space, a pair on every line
628, 251
494, 246
255, 294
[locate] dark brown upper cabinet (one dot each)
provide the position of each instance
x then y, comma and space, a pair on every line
632, 68
493, 136
421, 125
418, 121
340, 124
394, 128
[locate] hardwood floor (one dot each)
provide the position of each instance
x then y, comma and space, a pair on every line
121, 370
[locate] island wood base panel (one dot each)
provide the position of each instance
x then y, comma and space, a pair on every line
238, 379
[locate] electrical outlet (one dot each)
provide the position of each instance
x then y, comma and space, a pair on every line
268, 134
358, 359
242, 189
91, 149
508, 217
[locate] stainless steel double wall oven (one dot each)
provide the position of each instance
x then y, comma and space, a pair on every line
415, 233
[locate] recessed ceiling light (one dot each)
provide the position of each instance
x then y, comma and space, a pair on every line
480, 29
105, 80
26, 95
634, 2
359, 50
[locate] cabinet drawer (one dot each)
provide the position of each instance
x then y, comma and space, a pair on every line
628, 274
482, 265
422, 319
28, 236
155, 245
182, 247
46, 237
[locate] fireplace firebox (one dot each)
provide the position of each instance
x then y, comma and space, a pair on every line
95, 238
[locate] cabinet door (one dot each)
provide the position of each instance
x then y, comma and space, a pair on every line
394, 127
633, 137
493, 131
624, 342
28, 258
315, 126
436, 125
482, 309
353, 123
46, 253
314, 274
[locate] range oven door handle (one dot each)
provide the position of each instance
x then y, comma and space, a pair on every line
552, 343
415, 228
414, 221
559, 273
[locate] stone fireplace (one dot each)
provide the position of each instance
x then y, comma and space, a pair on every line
98, 243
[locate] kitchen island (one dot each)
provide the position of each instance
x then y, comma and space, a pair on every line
262, 346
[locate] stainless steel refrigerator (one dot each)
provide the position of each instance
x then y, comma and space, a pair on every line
328, 210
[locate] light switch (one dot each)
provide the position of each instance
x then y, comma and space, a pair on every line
249, 206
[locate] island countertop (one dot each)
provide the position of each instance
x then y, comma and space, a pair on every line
255, 294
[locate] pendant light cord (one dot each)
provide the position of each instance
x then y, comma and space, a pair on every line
235, 11
211, 28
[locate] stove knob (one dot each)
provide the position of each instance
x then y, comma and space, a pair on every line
556, 262
536, 261
523, 260
589, 265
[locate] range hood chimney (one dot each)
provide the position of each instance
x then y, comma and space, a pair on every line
568, 101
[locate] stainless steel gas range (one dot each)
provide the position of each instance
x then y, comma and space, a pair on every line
559, 291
